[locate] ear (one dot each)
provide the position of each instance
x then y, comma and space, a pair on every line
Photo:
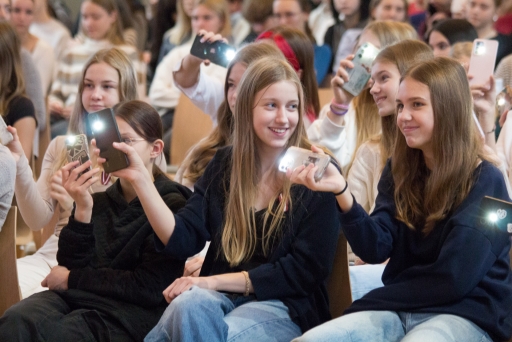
299, 73
158, 147
113, 17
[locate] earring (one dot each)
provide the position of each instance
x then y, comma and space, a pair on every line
495, 18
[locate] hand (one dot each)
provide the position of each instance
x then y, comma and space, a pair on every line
342, 96
55, 107
77, 187
66, 112
193, 267
15, 146
332, 180
57, 279
57, 191
484, 97
210, 37
183, 284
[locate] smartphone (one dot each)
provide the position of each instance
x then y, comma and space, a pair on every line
5, 136
217, 52
104, 128
497, 213
296, 156
77, 148
483, 60
359, 75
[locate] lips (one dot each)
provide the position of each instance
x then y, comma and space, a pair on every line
408, 129
379, 99
278, 131
95, 108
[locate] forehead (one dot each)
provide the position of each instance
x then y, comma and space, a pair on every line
24, 3
202, 10
384, 65
282, 90
102, 72
91, 7
286, 6
410, 87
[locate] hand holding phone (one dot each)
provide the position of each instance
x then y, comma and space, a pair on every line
216, 52
77, 148
5, 136
296, 156
360, 74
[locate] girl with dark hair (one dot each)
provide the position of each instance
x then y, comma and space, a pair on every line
448, 32
448, 277
109, 281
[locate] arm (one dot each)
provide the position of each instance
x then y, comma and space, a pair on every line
484, 99
33, 85
27, 125
361, 176
163, 92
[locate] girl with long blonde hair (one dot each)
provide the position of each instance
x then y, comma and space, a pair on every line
264, 273
448, 277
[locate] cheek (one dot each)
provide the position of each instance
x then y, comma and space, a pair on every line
112, 98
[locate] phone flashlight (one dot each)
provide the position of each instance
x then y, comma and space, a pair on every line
496, 213
98, 126
480, 48
71, 139
230, 54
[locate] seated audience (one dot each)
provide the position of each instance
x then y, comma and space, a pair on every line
395, 10
109, 281
447, 33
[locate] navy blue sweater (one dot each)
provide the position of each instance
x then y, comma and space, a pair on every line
460, 268
298, 265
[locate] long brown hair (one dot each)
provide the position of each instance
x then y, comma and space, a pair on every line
403, 55
115, 33
368, 121
12, 83
196, 161
239, 236
424, 197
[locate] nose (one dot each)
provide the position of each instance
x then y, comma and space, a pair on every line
282, 20
96, 93
374, 89
281, 115
403, 116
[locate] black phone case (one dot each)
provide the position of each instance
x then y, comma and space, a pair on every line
115, 159
215, 52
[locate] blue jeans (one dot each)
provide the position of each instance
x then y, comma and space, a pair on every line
206, 315
364, 278
390, 326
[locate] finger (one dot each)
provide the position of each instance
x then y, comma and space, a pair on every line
69, 166
191, 268
44, 283
317, 149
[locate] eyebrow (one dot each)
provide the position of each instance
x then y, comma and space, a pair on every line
412, 99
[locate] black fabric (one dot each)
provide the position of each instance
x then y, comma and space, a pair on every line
19, 108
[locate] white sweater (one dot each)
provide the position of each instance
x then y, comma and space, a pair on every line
53, 33
45, 62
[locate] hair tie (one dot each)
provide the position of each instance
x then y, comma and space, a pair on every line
283, 45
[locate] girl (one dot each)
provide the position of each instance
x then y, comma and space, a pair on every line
103, 30
15, 108
260, 229
209, 15
447, 33
22, 16
108, 78
343, 130
395, 10
448, 276
107, 258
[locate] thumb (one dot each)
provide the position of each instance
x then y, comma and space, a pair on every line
317, 149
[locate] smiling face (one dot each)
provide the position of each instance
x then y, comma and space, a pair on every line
275, 115
101, 87
235, 75
439, 44
386, 79
96, 21
415, 115
22, 15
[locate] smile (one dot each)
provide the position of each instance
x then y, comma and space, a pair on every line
278, 130
379, 99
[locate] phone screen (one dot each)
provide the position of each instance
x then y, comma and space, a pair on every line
105, 131
217, 52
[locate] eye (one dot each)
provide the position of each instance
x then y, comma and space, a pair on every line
231, 85
271, 105
88, 85
399, 107
293, 106
417, 104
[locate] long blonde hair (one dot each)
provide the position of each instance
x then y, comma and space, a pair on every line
183, 27
12, 83
239, 237
368, 122
118, 60
424, 197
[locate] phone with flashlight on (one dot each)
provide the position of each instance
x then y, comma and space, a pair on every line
496, 213
77, 148
217, 52
296, 156
360, 74
104, 128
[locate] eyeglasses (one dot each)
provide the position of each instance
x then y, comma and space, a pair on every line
131, 141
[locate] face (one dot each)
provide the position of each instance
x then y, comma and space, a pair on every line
234, 78
188, 7
390, 10
439, 44
101, 87
204, 18
367, 37
96, 21
347, 7
415, 115
22, 15
386, 78
275, 115
480, 13
441, 5
5, 10
142, 147
288, 13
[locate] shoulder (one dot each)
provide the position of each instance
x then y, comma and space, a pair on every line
20, 107
166, 186
488, 178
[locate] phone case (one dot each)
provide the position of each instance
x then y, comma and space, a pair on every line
483, 60
361, 73
77, 148
104, 128
217, 52
5, 136
296, 156
496, 213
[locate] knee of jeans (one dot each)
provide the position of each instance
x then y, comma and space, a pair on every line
191, 300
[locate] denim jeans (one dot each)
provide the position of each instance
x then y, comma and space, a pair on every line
206, 315
390, 326
364, 278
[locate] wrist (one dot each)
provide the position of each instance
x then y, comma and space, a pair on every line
83, 214
342, 190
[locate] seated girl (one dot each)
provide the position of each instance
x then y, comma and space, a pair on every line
265, 271
109, 281
448, 276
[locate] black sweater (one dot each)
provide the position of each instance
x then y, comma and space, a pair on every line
114, 267
298, 265
460, 268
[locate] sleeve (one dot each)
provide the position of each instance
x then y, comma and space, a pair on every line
207, 94
360, 177
76, 244
20, 108
7, 180
33, 85
34, 200
163, 92
310, 257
